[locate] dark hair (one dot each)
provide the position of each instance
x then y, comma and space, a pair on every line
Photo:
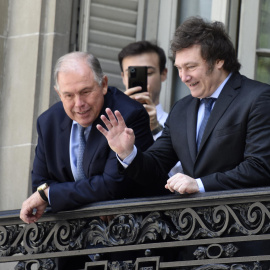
211, 36
141, 47
66, 62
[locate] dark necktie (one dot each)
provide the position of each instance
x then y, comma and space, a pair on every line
208, 107
80, 172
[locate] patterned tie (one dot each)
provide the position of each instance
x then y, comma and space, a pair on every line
208, 107
80, 172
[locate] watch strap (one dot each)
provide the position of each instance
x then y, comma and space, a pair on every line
42, 192
157, 129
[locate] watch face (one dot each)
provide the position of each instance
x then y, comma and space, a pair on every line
42, 187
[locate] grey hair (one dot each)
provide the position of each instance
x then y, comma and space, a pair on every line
68, 62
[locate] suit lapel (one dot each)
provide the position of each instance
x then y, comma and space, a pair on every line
93, 143
64, 141
226, 96
191, 126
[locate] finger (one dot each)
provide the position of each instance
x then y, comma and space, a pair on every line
133, 90
182, 189
27, 218
106, 121
39, 214
113, 121
167, 186
144, 96
177, 187
170, 179
120, 118
171, 190
102, 130
149, 108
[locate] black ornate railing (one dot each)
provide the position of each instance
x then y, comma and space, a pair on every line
215, 230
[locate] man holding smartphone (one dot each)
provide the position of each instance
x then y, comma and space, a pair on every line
144, 53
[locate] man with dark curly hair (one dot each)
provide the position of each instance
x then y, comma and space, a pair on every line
220, 133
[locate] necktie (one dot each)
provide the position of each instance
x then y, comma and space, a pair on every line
208, 107
80, 172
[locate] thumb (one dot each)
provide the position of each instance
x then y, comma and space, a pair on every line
129, 131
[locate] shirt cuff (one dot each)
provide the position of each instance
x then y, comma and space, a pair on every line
49, 195
157, 135
127, 161
200, 184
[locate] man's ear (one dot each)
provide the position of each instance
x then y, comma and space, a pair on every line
164, 74
219, 63
123, 78
105, 84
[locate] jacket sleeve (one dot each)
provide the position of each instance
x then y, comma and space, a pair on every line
106, 183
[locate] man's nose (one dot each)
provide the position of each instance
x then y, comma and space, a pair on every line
79, 101
184, 76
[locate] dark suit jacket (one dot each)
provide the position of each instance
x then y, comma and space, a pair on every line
52, 160
235, 148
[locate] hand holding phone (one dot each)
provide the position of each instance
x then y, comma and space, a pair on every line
137, 76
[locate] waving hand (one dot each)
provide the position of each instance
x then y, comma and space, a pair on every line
120, 138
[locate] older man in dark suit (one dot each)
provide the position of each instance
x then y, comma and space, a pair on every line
220, 132
64, 178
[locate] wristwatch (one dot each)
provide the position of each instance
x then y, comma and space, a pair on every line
157, 129
41, 192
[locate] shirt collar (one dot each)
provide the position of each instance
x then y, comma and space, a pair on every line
87, 129
219, 89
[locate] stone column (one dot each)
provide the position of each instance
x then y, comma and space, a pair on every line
33, 34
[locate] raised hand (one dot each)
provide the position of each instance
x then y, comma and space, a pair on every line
145, 99
120, 138
150, 107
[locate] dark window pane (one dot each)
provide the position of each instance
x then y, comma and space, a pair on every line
264, 29
263, 70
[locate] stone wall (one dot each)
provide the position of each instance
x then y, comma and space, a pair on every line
33, 34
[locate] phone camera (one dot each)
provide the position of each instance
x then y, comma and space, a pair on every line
132, 70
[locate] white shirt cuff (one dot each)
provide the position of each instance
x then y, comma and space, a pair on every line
49, 196
126, 162
200, 184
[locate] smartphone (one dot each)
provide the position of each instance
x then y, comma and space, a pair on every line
137, 76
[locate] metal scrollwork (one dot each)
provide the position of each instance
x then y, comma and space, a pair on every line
256, 266
120, 265
36, 238
132, 229
213, 222
215, 251
44, 264
10, 240
251, 218
62, 234
126, 229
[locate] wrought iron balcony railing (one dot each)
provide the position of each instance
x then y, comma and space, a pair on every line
215, 230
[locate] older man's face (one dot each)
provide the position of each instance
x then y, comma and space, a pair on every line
81, 95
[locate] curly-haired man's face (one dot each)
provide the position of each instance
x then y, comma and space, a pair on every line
195, 73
